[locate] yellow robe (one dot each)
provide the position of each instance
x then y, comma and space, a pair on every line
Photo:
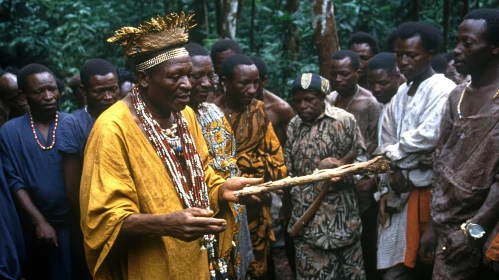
123, 175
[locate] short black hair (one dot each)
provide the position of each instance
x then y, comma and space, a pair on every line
223, 45
95, 66
385, 60
125, 76
440, 62
261, 65
363, 37
60, 84
195, 49
30, 69
12, 69
354, 57
491, 17
431, 37
230, 63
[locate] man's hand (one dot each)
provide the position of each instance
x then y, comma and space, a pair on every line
366, 185
226, 191
329, 163
192, 223
427, 160
457, 245
398, 183
46, 233
428, 246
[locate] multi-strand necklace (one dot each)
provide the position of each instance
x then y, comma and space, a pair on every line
461, 99
53, 132
168, 144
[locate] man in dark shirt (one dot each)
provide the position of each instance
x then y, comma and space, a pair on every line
33, 169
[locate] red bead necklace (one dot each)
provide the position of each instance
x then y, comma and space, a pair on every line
53, 132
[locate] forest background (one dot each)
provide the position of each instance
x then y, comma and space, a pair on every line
292, 36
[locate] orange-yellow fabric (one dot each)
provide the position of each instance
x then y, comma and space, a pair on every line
123, 175
259, 155
418, 214
492, 253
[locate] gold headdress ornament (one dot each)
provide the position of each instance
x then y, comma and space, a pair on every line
158, 34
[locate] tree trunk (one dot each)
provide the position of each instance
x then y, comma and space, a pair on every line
326, 37
219, 8
466, 7
199, 33
229, 19
293, 37
447, 10
240, 5
415, 8
252, 26
168, 6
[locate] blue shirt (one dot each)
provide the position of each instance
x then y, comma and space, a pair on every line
75, 129
38, 171
11, 236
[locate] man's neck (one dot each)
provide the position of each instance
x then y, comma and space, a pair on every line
42, 120
487, 75
232, 105
93, 112
349, 92
423, 76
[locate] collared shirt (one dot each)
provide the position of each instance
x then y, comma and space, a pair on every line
411, 126
336, 223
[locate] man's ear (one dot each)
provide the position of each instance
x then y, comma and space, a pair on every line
82, 91
142, 79
432, 53
264, 81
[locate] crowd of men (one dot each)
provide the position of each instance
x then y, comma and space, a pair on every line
139, 182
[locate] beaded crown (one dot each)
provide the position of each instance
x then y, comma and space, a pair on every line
158, 34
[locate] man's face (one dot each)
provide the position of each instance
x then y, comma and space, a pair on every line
244, 85
343, 77
42, 94
219, 59
472, 50
308, 105
383, 84
126, 89
10, 94
168, 84
103, 92
412, 58
365, 53
201, 79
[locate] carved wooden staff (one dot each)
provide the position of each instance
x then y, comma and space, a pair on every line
376, 165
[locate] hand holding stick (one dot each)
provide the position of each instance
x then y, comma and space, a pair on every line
376, 165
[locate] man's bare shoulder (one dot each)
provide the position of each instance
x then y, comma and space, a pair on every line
455, 94
274, 102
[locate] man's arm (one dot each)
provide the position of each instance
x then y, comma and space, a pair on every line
458, 244
44, 231
73, 165
375, 109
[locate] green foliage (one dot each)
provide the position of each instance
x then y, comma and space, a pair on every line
63, 34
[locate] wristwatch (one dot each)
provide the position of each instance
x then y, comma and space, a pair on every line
472, 230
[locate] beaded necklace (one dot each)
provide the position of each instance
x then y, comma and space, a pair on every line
166, 144
461, 99
53, 132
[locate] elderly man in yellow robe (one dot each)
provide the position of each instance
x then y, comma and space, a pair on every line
149, 199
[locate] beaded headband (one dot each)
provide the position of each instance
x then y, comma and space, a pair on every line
158, 34
180, 52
